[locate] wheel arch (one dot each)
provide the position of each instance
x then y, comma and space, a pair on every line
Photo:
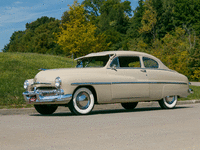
90, 88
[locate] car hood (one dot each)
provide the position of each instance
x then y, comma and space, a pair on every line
48, 76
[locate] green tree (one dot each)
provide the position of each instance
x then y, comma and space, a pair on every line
92, 7
14, 43
173, 50
149, 20
39, 22
112, 19
78, 37
65, 17
38, 37
186, 12
135, 21
164, 10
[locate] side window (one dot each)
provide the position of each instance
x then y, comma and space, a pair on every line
115, 62
150, 63
129, 62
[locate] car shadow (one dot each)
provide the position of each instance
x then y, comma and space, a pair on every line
110, 111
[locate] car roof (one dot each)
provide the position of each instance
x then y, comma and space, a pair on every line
124, 53
117, 53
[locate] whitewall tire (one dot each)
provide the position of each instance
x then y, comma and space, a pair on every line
168, 102
82, 102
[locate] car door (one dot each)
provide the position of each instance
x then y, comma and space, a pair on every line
155, 77
129, 80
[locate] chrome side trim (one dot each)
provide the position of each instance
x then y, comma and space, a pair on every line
38, 95
92, 83
143, 68
105, 83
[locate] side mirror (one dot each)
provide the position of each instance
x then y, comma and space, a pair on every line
114, 67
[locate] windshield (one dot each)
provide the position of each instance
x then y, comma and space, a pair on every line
99, 61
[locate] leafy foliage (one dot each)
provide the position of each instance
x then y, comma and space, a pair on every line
149, 19
78, 36
168, 29
38, 37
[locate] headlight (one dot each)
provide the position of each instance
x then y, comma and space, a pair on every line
58, 82
26, 84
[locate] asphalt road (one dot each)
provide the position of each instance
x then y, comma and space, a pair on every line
149, 128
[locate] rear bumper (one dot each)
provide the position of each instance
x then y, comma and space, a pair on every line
190, 91
47, 97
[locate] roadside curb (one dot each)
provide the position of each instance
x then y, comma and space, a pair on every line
188, 102
20, 111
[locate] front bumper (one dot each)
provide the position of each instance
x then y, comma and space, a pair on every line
47, 97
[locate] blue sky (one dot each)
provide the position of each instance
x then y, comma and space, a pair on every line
14, 14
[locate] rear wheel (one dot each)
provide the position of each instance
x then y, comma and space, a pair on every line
168, 102
46, 109
82, 102
129, 106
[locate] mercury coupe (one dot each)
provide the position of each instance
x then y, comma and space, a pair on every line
125, 77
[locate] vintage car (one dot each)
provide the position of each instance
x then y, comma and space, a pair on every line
125, 77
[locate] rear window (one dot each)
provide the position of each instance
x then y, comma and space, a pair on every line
150, 63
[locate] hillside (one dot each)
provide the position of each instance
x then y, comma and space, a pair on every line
15, 68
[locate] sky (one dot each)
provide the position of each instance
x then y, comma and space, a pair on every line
14, 14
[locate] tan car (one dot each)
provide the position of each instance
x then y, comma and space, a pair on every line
125, 77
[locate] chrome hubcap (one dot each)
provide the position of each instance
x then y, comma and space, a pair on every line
83, 100
170, 99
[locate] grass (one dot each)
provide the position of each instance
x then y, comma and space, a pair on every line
195, 95
15, 68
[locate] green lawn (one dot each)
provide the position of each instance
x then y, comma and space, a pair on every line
195, 95
15, 68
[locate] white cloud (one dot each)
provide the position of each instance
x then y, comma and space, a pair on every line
18, 2
14, 14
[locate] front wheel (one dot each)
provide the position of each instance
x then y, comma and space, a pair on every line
129, 106
82, 102
46, 109
168, 102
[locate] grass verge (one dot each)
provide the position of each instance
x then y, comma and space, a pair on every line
15, 68
194, 96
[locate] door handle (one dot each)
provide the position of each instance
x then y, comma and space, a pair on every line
143, 70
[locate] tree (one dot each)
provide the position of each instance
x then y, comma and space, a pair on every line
149, 19
43, 20
78, 37
14, 43
114, 14
135, 21
173, 50
165, 18
65, 17
92, 7
111, 18
186, 12
39, 37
